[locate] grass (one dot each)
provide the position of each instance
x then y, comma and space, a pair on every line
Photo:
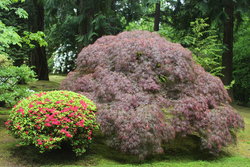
53, 84
12, 154
244, 137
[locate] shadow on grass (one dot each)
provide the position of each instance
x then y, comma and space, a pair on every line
99, 153
3, 119
183, 152
4, 111
30, 156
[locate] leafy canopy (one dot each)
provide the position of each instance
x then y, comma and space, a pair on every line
10, 35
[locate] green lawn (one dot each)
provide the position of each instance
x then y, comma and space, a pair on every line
14, 155
53, 84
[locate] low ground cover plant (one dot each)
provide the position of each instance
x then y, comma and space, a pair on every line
50, 119
150, 91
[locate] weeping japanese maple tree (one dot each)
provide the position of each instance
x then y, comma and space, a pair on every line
149, 91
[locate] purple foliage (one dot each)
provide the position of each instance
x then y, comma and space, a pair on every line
148, 90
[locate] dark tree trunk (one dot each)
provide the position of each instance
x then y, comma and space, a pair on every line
227, 56
84, 24
38, 57
157, 16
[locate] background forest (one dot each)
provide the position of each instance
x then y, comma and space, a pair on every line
149, 101
47, 35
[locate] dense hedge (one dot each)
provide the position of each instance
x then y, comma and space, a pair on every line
149, 90
50, 119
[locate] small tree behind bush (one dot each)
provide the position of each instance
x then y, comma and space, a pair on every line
205, 45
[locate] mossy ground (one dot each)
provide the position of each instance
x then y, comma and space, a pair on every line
14, 155
53, 84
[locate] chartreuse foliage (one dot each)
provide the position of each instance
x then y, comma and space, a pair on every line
50, 119
5, 61
205, 45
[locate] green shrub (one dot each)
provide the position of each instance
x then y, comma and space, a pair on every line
241, 61
4, 61
205, 46
10, 78
50, 119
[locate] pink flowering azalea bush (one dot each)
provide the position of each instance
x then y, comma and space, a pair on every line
48, 119
150, 91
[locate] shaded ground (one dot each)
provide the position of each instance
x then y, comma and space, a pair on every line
14, 155
47, 85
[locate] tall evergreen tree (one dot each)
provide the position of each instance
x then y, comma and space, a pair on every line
157, 16
38, 57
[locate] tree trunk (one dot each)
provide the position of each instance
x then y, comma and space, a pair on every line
38, 57
84, 24
157, 16
227, 57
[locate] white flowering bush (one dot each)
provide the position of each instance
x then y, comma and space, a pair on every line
63, 59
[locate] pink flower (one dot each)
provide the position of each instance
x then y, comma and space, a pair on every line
39, 102
51, 110
47, 124
40, 143
47, 100
90, 132
38, 127
69, 135
43, 111
7, 122
64, 119
80, 123
40, 94
71, 114
83, 104
74, 108
30, 105
20, 110
56, 123
65, 110
64, 131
